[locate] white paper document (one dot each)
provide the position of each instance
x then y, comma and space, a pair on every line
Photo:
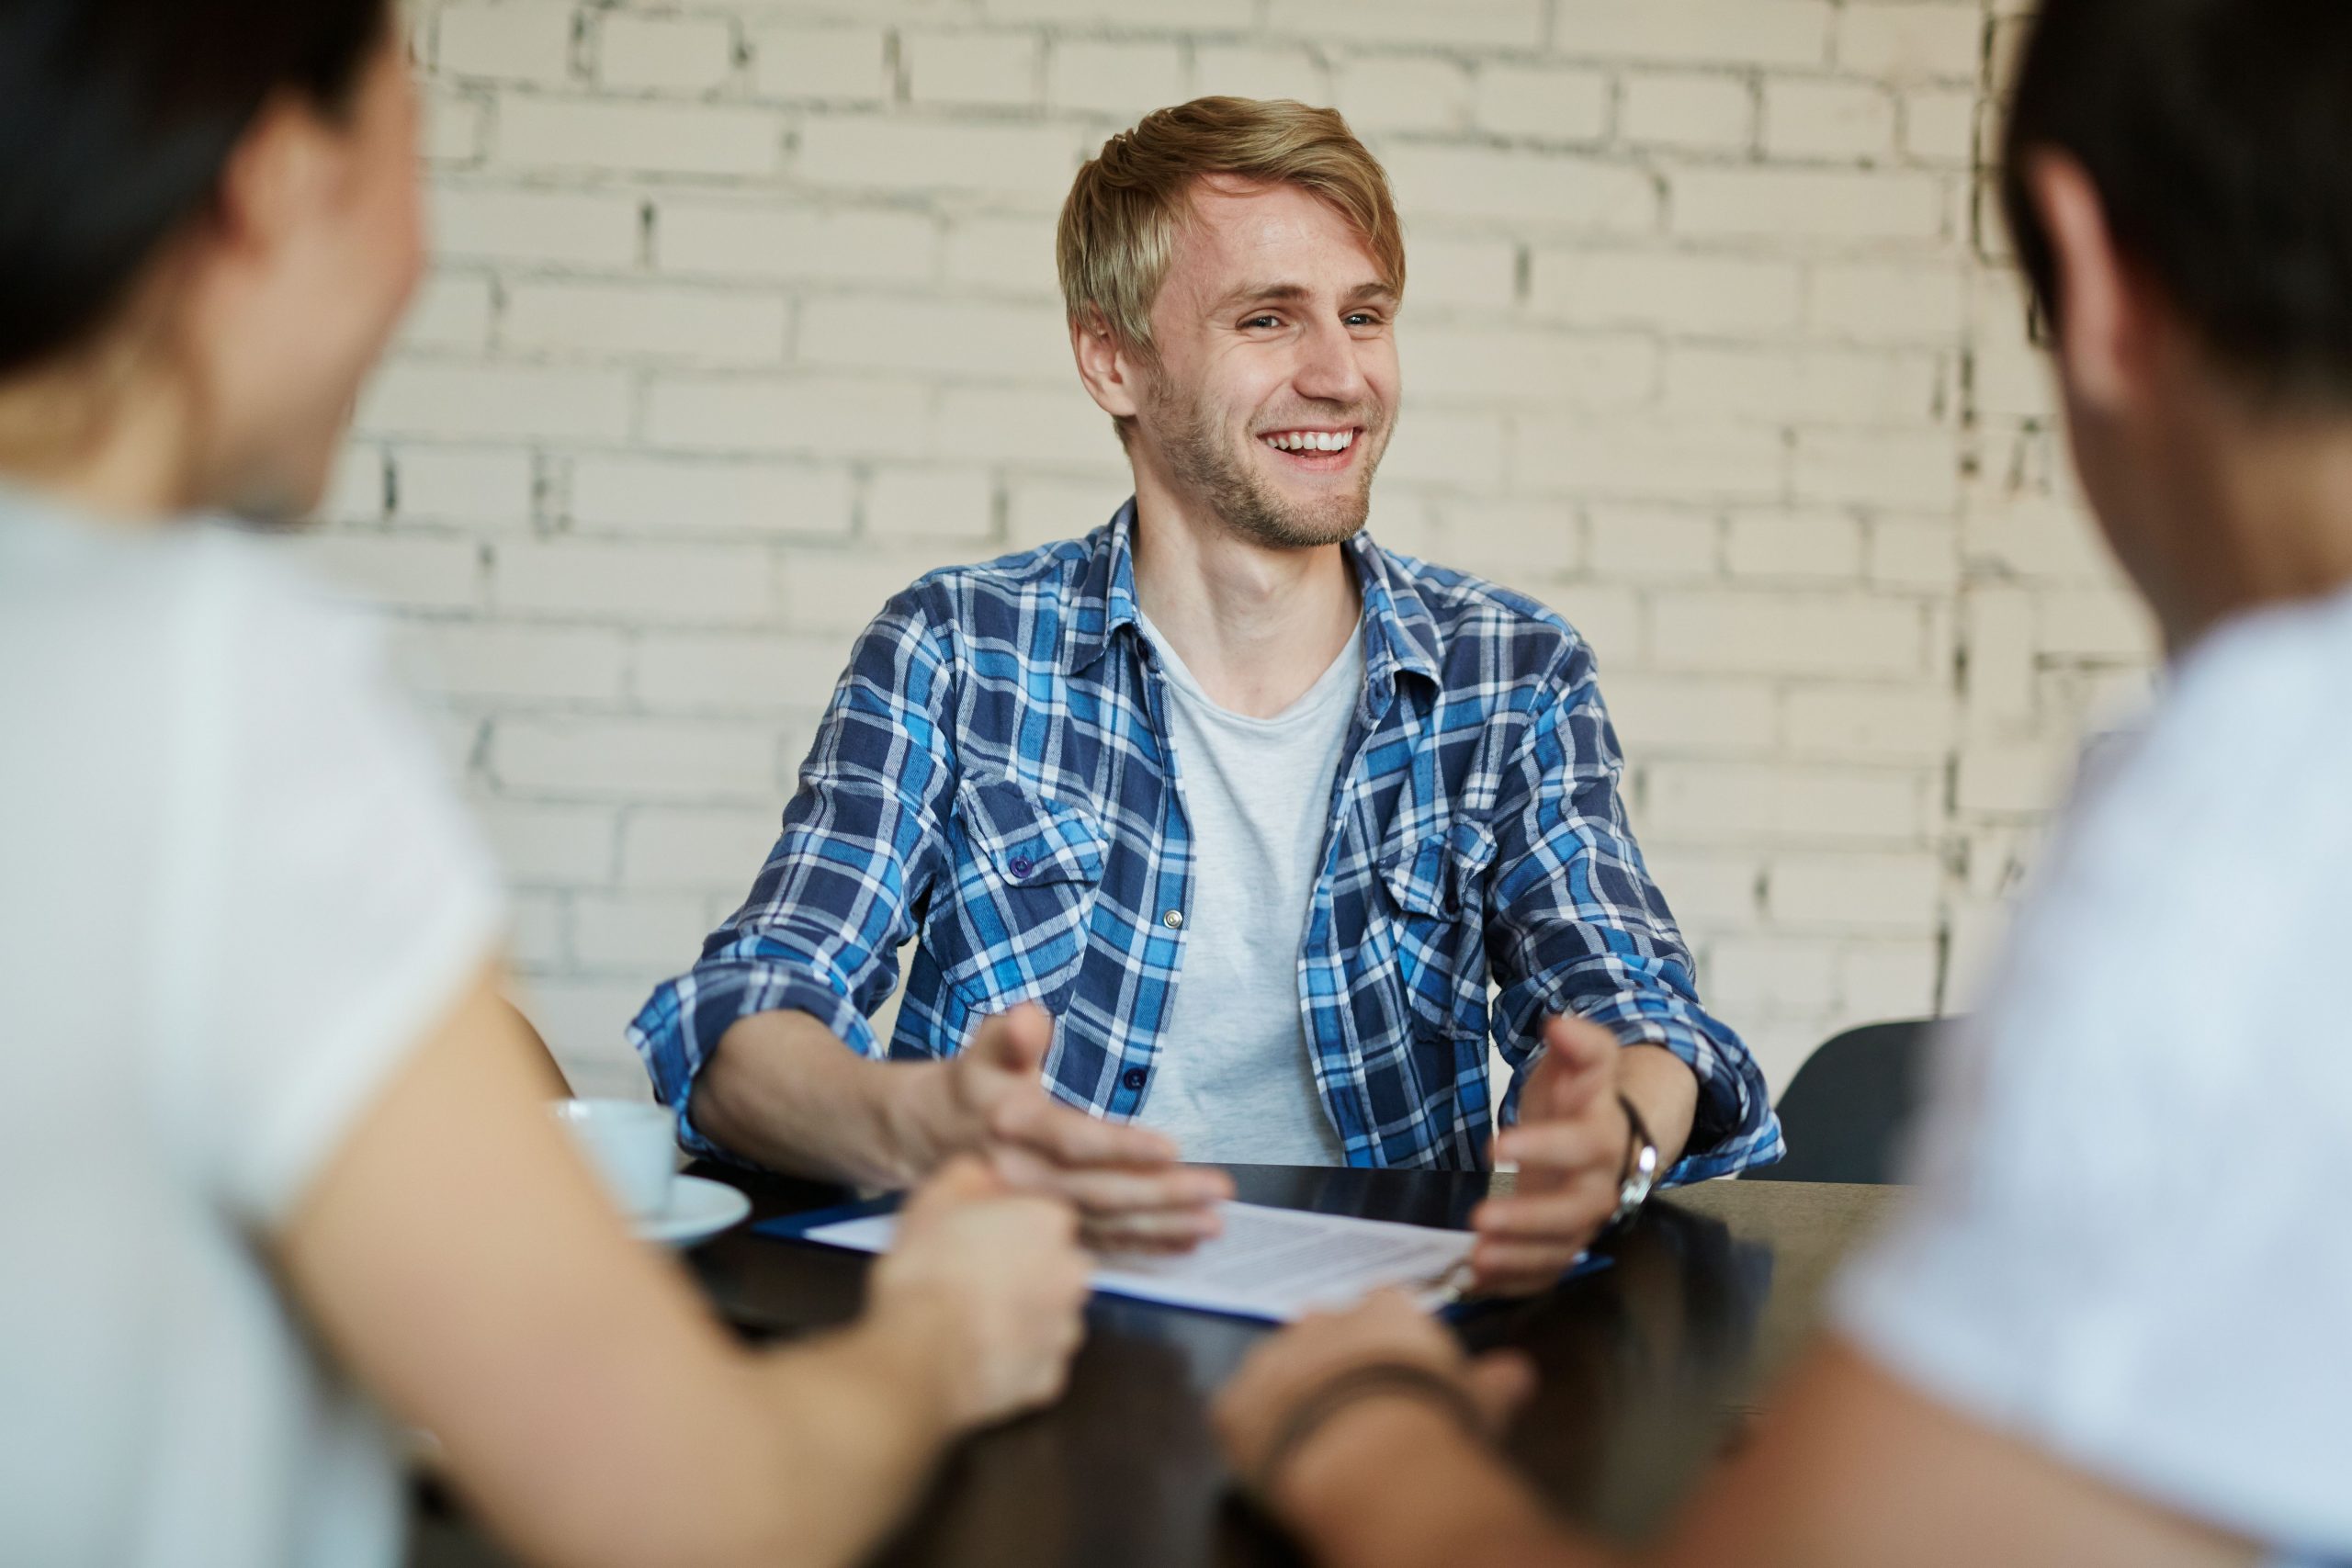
1275, 1264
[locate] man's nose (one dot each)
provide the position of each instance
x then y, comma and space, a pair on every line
1328, 369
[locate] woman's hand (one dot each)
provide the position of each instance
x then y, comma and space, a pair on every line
989, 1285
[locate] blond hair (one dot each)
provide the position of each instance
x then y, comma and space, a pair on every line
1118, 226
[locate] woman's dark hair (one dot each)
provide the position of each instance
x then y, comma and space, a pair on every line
2219, 135
116, 119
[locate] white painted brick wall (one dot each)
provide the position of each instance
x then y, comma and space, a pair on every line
521, 40
1494, 24
1261, 70
803, 245
454, 127
1675, 292
1545, 190
1126, 80
1685, 110
822, 63
450, 312
581, 579
464, 485
1393, 92
652, 497
573, 319
665, 54
650, 138
1795, 548
501, 224
1907, 42
551, 664
1712, 32
670, 847
982, 156
1793, 206
845, 415
1834, 120
746, 316
1000, 69
1542, 103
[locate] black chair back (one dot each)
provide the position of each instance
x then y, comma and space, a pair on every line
1846, 1111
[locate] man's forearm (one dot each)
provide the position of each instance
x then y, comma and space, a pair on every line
1398, 1484
1666, 1091
784, 1091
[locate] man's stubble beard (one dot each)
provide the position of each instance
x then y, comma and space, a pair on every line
1201, 464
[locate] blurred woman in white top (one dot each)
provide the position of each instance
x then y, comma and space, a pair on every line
275, 1171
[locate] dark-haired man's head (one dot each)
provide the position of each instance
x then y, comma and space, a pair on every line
2177, 182
209, 228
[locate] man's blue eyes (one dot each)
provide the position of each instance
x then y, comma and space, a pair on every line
1356, 320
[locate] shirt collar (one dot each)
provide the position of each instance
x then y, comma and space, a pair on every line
1401, 634
1106, 591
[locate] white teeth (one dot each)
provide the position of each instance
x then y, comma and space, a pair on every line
1313, 440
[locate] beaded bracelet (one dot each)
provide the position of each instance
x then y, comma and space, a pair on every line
1353, 1386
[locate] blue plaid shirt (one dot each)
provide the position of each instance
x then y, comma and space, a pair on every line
994, 775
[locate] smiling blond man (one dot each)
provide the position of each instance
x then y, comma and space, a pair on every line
1249, 808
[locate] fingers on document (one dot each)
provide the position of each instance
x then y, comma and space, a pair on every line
1573, 1212
1132, 1195
1520, 1268
1070, 1137
1538, 1147
1155, 1231
1102, 1191
1128, 1207
1146, 1212
964, 1179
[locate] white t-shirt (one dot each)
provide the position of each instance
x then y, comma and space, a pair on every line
2131, 1247
234, 894
1235, 1081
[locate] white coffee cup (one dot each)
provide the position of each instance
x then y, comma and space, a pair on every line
631, 1145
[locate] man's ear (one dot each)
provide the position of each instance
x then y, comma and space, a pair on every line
1105, 366
279, 168
2107, 325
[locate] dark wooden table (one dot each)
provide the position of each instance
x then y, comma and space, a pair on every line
1649, 1369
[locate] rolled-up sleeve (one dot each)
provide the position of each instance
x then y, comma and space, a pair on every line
1575, 925
861, 843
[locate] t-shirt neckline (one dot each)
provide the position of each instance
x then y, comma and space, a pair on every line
1349, 660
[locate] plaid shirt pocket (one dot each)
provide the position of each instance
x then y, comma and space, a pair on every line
1023, 875
1436, 884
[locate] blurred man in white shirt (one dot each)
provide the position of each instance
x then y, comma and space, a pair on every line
2113, 1327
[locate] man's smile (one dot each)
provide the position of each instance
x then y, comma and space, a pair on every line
1315, 450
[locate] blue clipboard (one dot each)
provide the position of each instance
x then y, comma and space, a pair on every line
796, 1227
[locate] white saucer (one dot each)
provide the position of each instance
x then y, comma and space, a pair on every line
699, 1209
